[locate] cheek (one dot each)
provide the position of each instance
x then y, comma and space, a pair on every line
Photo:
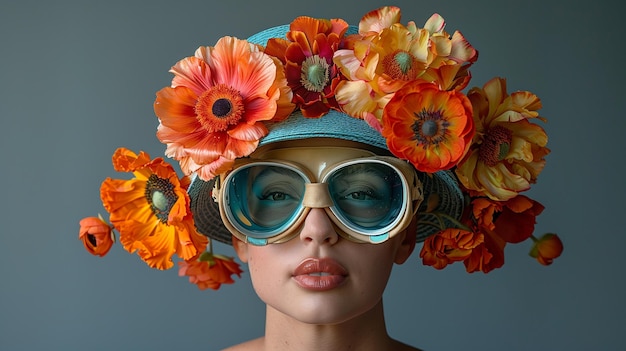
374, 269
266, 272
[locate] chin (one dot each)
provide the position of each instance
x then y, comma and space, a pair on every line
321, 310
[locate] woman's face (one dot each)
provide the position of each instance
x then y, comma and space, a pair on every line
319, 277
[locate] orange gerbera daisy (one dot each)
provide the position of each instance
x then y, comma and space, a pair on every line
429, 127
96, 235
151, 211
210, 271
508, 151
214, 111
307, 54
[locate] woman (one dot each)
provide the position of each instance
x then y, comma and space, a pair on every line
324, 153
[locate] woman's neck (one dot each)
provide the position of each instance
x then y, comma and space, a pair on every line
363, 332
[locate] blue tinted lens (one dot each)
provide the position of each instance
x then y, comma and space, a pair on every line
263, 200
368, 197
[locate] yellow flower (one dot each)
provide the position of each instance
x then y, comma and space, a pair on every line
151, 211
507, 153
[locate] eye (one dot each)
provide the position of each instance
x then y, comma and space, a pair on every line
362, 195
276, 196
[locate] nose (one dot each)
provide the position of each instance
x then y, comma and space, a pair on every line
318, 228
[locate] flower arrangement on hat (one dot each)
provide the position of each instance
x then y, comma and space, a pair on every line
404, 81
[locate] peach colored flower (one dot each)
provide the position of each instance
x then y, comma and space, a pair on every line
375, 21
96, 235
210, 271
388, 55
429, 127
215, 110
152, 210
448, 246
547, 248
508, 151
307, 54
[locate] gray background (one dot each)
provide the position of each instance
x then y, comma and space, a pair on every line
78, 78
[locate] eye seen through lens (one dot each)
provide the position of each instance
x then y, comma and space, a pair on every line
265, 198
368, 196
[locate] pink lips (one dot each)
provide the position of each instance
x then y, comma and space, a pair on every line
319, 274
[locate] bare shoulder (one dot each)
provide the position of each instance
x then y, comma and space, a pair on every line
255, 345
404, 347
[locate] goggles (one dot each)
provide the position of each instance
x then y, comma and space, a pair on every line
368, 199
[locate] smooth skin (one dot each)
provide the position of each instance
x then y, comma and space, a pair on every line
347, 317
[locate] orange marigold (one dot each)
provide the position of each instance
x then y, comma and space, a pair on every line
210, 271
152, 210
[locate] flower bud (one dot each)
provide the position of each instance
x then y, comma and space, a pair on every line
547, 248
96, 235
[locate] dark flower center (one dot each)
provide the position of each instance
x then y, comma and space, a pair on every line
222, 107
495, 146
314, 73
161, 196
219, 108
429, 127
